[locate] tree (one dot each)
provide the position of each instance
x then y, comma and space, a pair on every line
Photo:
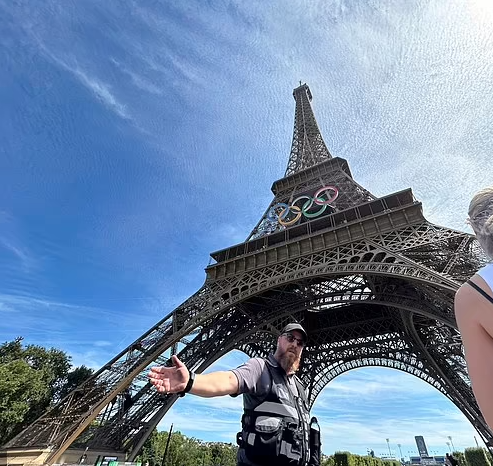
149, 454
21, 388
73, 379
460, 457
32, 378
477, 456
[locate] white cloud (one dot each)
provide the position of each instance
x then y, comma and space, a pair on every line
60, 55
19, 252
139, 80
102, 343
374, 382
100, 89
362, 408
11, 241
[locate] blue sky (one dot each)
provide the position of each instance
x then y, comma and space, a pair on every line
138, 137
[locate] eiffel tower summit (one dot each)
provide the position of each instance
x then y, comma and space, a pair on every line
370, 279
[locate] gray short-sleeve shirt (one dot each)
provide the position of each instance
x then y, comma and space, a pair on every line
254, 378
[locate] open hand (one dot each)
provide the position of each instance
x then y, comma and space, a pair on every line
170, 379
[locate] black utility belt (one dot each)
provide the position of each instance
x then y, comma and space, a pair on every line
282, 445
250, 421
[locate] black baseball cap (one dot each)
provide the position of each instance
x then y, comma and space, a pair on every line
295, 326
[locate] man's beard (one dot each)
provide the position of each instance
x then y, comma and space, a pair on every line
289, 361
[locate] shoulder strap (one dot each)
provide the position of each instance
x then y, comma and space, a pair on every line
302, 395
301, 389
269, 391
271, 377
480, 291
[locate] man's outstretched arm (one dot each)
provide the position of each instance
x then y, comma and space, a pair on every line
174, 380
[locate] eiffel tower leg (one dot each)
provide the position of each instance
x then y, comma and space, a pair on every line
62, 425
449, 367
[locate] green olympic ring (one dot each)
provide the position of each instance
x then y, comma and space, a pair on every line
281, 211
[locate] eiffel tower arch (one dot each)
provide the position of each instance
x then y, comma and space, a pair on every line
369, 277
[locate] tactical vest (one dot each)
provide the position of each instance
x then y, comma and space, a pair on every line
276, 431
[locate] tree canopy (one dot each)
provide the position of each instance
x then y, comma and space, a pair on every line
32, 378
186, 451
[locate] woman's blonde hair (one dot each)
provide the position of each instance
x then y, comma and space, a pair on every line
481, 218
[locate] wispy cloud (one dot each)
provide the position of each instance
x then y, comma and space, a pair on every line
394, 405
11, 242
54, 45
140, 81
25, 258
101, 90
81, 330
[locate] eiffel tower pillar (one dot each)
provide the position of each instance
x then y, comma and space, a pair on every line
369, 277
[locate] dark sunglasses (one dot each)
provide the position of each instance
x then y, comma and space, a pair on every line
291, 338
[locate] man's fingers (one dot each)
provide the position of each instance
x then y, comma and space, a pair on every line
155, 381
162, 385
158, 370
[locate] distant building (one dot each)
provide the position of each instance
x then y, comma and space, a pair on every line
420, 443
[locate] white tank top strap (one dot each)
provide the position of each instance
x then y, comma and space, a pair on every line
486, 273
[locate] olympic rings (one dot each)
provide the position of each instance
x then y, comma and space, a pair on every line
288, 215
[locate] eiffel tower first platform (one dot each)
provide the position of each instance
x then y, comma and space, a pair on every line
372, 281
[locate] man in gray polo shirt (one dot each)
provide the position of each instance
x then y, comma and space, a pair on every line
275, 423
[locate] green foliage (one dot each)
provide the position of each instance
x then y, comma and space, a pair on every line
32, 378
21, 388
185, 451
344, 458
460, 457
327, 460
477, 457
73, 379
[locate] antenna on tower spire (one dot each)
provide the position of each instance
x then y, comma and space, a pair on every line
308, 147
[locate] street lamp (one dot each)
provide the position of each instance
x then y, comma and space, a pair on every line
388, 444
400, 451
452, 443
448, 445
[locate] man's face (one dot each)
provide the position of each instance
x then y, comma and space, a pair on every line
289, 349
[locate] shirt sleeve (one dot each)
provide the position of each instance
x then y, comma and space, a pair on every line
252, 377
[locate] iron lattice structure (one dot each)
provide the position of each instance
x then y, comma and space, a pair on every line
370, 278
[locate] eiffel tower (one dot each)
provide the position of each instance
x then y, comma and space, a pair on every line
369, 277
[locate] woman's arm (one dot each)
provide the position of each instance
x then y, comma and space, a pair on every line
474, 316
